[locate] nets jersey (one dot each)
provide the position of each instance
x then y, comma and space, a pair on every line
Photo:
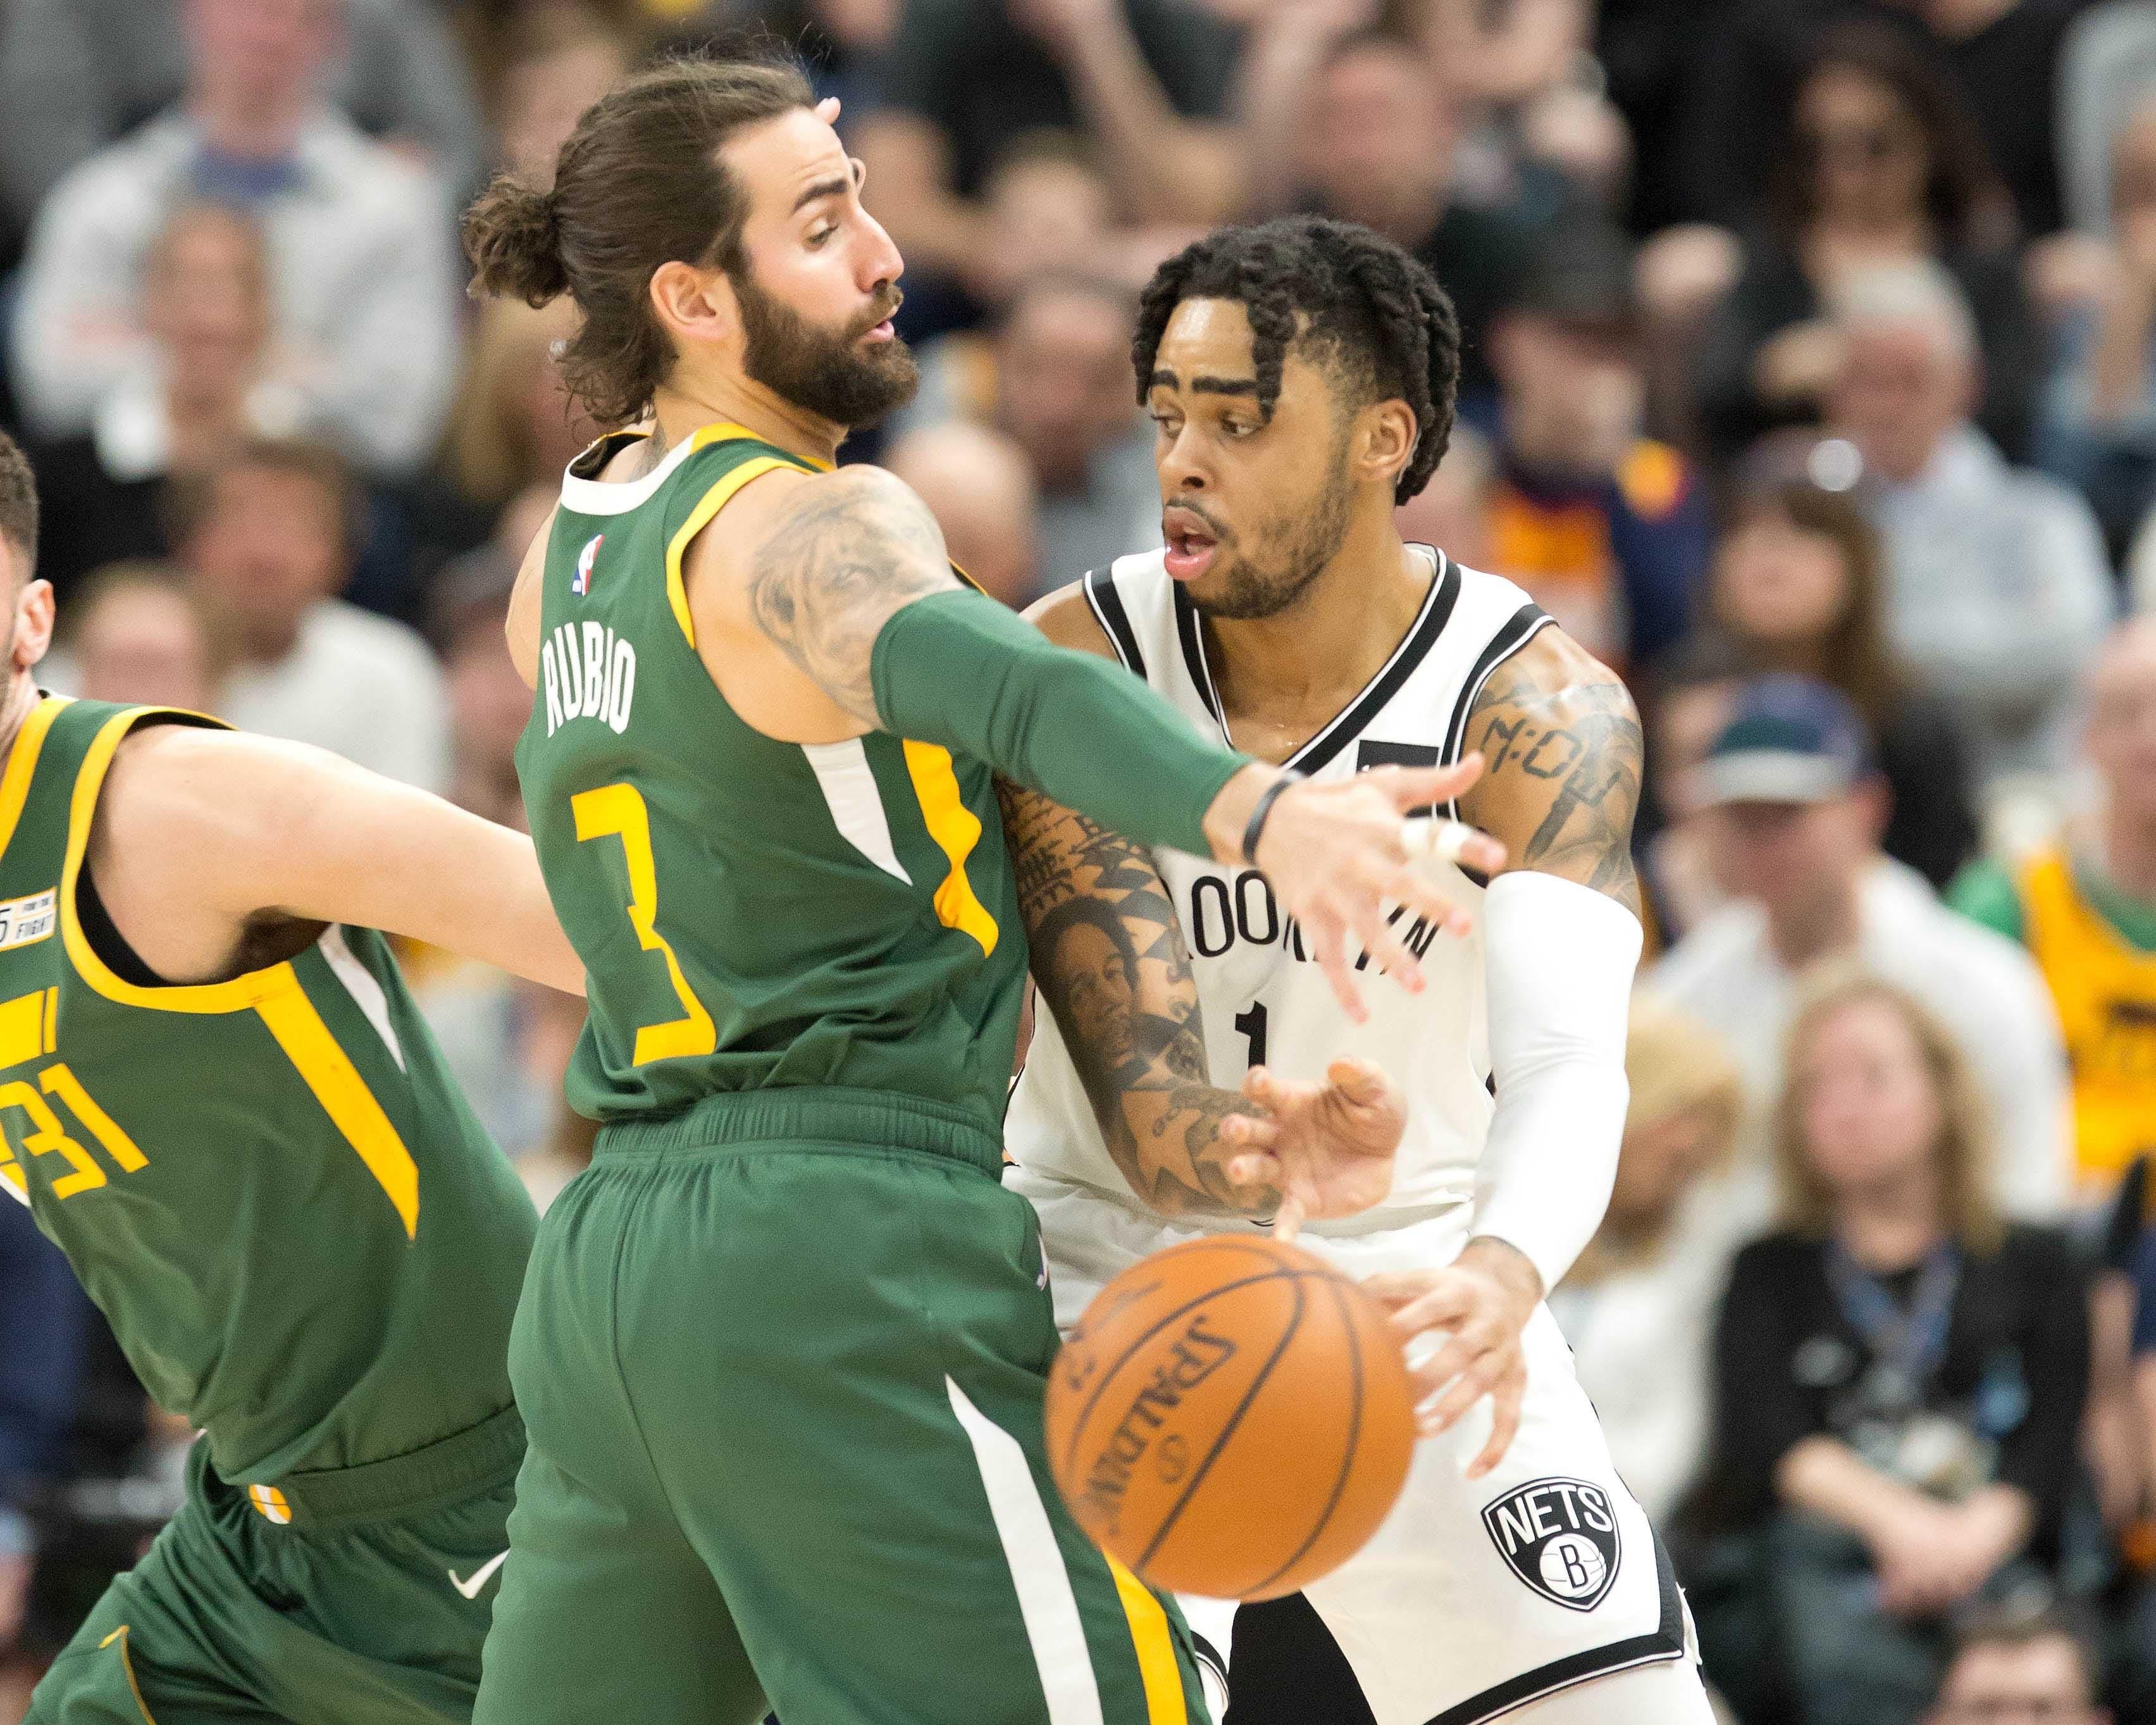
1263, 995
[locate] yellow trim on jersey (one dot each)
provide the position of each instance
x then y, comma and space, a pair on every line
276, 993
23, 763
127, 1665
52, 1019
23, 1029
956, 829
310, 1047
270, 1502
700, 517
1150, 1636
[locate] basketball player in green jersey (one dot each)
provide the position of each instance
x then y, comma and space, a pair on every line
217, 1098
782, 1350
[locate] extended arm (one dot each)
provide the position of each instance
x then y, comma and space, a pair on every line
202, 837
1560, 939
845, 575
1138, 1041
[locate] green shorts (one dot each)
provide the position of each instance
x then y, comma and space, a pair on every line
781, 1359
359, 1597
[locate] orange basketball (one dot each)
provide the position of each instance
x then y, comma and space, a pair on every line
1231, 1417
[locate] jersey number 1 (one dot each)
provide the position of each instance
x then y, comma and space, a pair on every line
617, 811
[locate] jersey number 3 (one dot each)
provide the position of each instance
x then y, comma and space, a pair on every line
617, 811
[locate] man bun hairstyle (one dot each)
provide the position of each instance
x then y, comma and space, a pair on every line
639, 183
1358, 304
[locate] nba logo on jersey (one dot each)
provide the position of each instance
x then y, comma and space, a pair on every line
1560, 1537
581, 582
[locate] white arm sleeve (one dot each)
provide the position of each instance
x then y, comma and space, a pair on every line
1559, 958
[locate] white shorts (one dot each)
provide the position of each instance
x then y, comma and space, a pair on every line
1474, 1597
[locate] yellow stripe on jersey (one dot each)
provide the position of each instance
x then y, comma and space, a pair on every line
52, 1019
235, 995
344, 1096
1157, 1669
23, 763
714, 500
127, 1665
957, 829
23, 1028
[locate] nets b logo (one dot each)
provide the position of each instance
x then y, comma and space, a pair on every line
1560, 1537
581, 582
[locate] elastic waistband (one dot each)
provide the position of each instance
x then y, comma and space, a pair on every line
458, 1466
811, 1117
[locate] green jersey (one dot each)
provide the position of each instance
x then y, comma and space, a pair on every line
750, 913
304, 1241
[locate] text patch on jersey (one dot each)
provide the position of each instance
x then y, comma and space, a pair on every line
23, 920
1560, 1537
586, 671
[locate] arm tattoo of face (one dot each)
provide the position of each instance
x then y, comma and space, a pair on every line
1110, 961
853, 548
1561, 787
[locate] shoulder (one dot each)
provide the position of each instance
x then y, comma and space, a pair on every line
123, 185
1549, 704
1721, 945
1065, 616
1776, 1260
2039, 1255
376, 642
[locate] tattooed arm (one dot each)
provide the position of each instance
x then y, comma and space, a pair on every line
1110, 962
1561, 741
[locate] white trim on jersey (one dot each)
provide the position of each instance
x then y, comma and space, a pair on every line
367, 993
599, 496
849, 787
1046, 1598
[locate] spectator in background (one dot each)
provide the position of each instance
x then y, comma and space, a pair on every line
362, 267
1145, 80
1361, 126
1606, 528
1882, 166
1692, 697
1056, 380
979, 487
2099, 426
1637, 1311
1456, 510
1899, 1376
138, 635
1798, 586
2085, 906
209, 384
266, 537
1997, 589
2008, 1665
75, 75
488, 703
561, 59
514, 430
1794, 808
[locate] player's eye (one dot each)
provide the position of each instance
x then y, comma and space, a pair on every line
818, 235
1237, 428
1168, 423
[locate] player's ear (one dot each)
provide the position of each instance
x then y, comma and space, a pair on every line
1386, 439
33, 624
695, 307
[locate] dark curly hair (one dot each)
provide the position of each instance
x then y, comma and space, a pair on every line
1358, 304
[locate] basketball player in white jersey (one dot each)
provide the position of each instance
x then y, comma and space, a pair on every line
1302, 375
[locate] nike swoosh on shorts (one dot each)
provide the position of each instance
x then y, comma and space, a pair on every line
470, 1589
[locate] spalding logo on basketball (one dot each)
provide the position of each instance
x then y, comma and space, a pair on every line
1560, 1537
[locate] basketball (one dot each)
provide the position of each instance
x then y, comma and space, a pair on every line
1231, 1417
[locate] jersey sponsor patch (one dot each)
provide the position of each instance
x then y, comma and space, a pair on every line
581, 582
1560, 1537
25, 920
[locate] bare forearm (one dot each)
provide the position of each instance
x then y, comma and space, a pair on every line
1131, 1019
2118, 366
1827, 1478
1166, 168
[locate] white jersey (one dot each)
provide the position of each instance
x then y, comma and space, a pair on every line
1263, 996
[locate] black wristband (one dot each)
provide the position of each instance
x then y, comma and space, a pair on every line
1263, 813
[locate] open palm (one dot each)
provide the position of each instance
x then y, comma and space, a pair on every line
1327, 1148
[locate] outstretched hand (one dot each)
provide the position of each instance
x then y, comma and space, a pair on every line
1326, 1148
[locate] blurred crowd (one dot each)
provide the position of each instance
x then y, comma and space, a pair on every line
1809, 378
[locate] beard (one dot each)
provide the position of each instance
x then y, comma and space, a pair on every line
1296, 550
828, 373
